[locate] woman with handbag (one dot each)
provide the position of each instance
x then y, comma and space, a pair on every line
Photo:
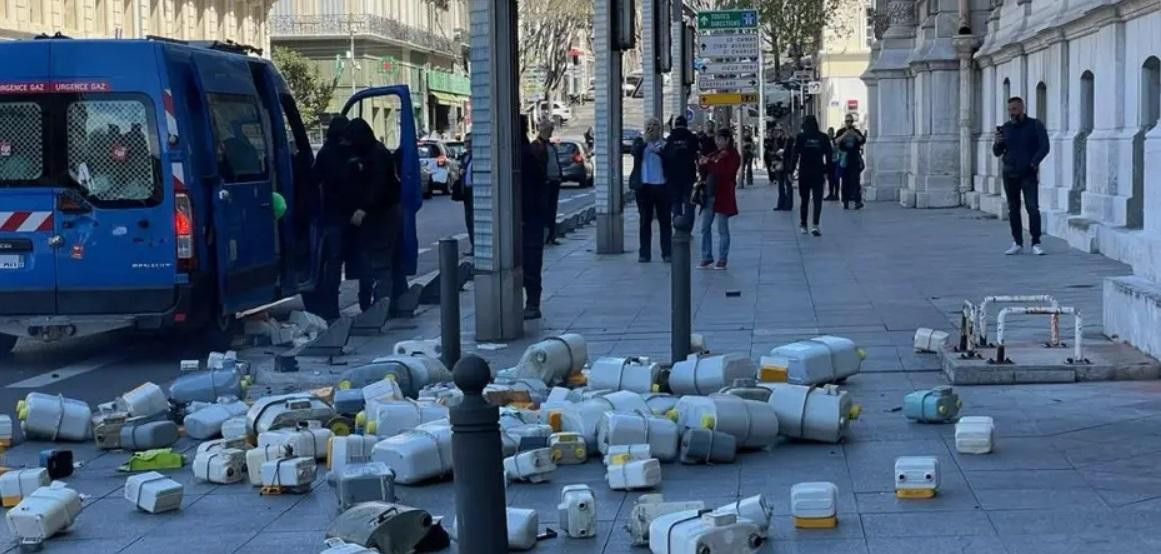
648, 181
720, 202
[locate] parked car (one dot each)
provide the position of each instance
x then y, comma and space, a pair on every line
444, 169
575, 166
457, 150
627, 138
560, 112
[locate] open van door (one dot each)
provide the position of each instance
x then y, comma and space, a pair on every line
240, 184
407, 159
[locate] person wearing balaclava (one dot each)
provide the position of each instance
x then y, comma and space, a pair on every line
813, 156
334, 184
378, 210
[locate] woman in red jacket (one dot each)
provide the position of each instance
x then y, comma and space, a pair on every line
721, 204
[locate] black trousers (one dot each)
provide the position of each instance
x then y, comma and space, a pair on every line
553, 205
1027, 185
379, 238
852, 187
533, 251
748, 170
832, 183
807, 187
654, 200
469, 202
785, 190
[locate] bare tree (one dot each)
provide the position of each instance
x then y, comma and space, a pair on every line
548, 29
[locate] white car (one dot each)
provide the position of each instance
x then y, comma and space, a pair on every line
444, 169
560, 112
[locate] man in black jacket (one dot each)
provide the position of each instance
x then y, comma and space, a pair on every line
534, 210
680, 156
378, 208
338, 196
813, 156
1023, 143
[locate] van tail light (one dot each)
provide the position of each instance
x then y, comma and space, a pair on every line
183, 226
578, 158
441, 161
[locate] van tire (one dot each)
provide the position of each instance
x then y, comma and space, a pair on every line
7, 343
219, 331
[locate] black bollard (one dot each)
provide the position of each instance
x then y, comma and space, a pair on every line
478, 463
449, 300
681, 324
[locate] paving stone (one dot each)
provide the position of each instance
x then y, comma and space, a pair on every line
977, 544
927, 524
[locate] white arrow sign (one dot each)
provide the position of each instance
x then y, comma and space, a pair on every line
728, 68
711, 83
729, 46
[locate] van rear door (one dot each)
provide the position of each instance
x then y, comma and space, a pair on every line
27, 262
114, 221
241, 190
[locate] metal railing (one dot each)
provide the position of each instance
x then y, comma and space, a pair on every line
345, 24
981, 328
1054, 312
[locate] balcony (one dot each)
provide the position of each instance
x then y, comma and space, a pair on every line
365, 24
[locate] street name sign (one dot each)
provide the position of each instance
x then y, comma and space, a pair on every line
728, 99
709, 82
727, 19
729, 46
730, 68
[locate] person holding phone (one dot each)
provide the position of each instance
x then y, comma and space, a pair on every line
1022, 142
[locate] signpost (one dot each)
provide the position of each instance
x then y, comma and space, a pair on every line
730, 46
728, 99
730, 68
711, 82
727, 19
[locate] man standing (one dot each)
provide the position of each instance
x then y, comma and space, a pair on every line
779, 149
552, 174
749, 149
850, 145
466, 193
1023, 143
680, 154
533, 205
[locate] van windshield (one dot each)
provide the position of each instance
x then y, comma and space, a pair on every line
103, 144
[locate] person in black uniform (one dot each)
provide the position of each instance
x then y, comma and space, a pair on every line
813, 156
378, 213
533, 203
335, 186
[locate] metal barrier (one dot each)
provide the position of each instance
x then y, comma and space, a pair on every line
981, 327
1077, 352
967, 340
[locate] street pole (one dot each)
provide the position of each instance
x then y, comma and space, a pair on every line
650, 68
449, 300
478, 462
681, 318
760, 140
499, 295
609, 183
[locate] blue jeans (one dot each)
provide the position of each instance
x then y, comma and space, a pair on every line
707, 239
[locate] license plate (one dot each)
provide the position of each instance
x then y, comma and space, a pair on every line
11, 261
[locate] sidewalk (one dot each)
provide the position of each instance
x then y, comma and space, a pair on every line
1074, 468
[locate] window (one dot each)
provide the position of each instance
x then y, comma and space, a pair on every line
102, 18
870, 30
1087, 89
70, 15
428, 150
1150, 92
111, 149
21, 141
36, 11
240, 136
1004, 101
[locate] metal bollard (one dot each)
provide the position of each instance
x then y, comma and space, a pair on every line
478, 463
981, 327
681, 325
449, 300
1054, 312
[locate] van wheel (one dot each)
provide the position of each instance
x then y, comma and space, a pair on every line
219, 332
7, 343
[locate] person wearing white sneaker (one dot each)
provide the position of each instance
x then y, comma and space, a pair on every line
1023, 144
1014, 249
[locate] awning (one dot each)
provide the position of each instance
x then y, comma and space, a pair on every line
448, 99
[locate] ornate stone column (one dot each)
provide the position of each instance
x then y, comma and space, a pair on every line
889, 95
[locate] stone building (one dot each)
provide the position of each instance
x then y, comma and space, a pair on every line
842, 58
242, 21
410, 42
940, 76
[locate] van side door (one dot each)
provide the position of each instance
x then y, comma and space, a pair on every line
241, 188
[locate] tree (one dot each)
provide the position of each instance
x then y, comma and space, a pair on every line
311, 91
548, 29
792, 28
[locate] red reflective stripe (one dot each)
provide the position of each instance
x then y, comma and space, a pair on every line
167, 102
14, 221
46, 225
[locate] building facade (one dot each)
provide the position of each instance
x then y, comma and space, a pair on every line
939, 81
842, 59
365, 43
242, 21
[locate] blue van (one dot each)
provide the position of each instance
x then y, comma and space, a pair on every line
137, 182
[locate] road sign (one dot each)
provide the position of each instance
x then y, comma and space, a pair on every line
730, 68
814, 87
728, 99
727, 19
709, 82
729, 46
